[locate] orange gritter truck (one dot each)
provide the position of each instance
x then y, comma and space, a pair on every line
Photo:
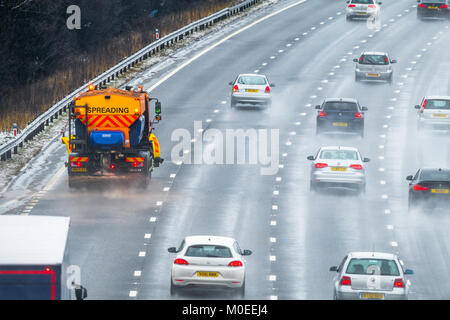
110, 133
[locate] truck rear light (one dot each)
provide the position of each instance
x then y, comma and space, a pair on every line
76, 164
358, 115
444, 6
235, 88
235, 263
398, 283
418, 187
321, 165
356, 166
345, 281
322, 114
351, 5
180, 261
137, 164
267, 90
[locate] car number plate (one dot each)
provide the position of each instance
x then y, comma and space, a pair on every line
79, 169
370, 295
338, 169
207, 274
340, 124
362, 12
251, 90
432, 7
445, 191
373, 74
439, 115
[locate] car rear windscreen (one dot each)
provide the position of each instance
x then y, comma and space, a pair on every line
363, 1
382, 267
340, 106
374, 59
251, 80
209, 251
435, 175
339, 155
437, 104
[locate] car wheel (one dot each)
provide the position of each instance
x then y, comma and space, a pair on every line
241, 291
356, 77
312, 186
419, 126
362, 189
361, 133
318, 131
233, 104
173, 289
348, 18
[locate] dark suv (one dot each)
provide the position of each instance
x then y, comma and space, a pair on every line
340, 114
433, 9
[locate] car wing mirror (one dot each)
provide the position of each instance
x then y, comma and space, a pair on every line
80, 292
230, 83
417, 106
409, 271
172, 250
366, 160
273, 85
394, 61
310, 158
409, 178
334, 268
364, 109
318, 107
355, 60
247, 252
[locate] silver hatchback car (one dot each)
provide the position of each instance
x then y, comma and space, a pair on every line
434, 111
374, 66
253, 89
338, 167
371, 276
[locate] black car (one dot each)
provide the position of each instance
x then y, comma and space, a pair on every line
340, 114
433, 9
429, 187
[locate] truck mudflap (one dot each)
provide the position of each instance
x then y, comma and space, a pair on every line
157, 160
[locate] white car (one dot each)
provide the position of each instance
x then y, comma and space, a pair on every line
434, 112
209, 261
371, 276
338, 167
253, 89
362, 9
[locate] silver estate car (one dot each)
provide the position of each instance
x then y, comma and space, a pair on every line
362, 9
371, 276
434, 111
374, 66
338, 167
253, 89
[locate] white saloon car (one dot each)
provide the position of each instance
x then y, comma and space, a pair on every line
251, 89
209, 260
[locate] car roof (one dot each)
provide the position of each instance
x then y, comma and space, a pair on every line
341, 100
429, 169
225, 241
437, 97
251, 75
368, 255
378, 53
33, 240
338, 148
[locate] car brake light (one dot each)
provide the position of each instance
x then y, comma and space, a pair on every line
112, 166
422, 5
372, 6
444, 6
423, 105
358, 115
418, 187
235, 263
345, 281
267, 89
398, 283
235, 88
356, 166
321, 165
180, 261
322, 114
351, 5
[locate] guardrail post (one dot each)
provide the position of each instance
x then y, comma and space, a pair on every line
3, 157
46, 122
8, 154
15, 150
